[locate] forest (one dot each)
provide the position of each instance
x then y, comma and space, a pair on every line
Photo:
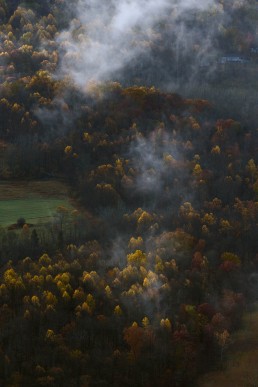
140, 119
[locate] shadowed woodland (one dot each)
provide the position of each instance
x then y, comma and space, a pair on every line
145, 280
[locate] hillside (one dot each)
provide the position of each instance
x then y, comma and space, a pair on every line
142, 133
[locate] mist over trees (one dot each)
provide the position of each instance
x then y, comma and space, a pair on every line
147, 111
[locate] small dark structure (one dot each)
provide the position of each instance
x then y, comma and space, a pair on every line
232, 59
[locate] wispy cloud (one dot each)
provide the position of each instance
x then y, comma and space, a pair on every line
108, 35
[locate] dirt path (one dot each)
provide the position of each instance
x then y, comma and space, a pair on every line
242, 366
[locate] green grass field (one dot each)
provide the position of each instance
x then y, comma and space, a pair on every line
35, 210
35, 201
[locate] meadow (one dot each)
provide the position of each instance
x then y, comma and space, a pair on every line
35, 201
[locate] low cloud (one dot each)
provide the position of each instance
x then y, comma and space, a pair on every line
107, 36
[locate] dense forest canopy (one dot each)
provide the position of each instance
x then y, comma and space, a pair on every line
147, 111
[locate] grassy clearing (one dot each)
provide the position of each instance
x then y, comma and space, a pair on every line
33, 210
241, 369
35, 201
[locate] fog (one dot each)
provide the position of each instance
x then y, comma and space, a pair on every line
107, 37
